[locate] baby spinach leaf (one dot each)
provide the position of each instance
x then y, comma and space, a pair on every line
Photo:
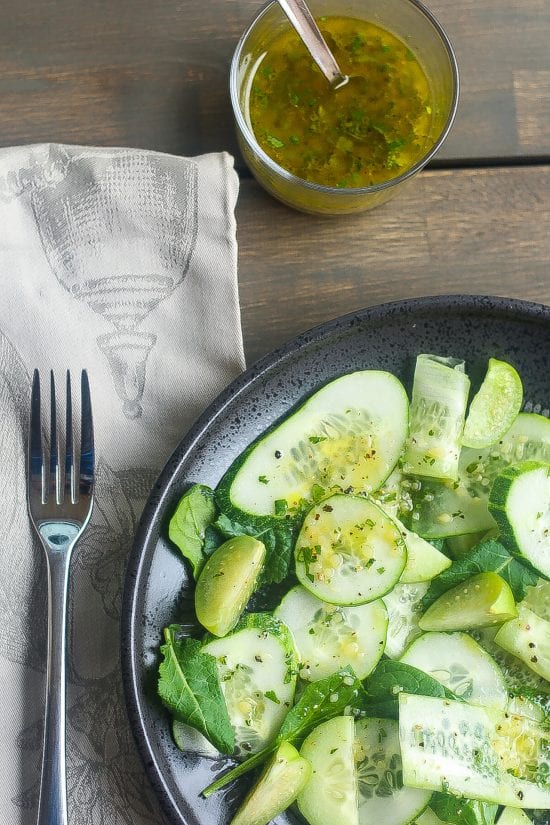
320, 701
488, 556
389, 679
463, 811
195, 513
189, 687
277, 536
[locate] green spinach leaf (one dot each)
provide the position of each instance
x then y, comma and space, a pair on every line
194, 515
189, 687
320, 701
490, 555
463, 811
278, 537
389, 679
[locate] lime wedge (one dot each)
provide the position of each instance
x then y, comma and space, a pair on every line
226, 583
494, 407
481, 601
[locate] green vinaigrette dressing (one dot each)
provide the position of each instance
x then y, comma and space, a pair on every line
365, 133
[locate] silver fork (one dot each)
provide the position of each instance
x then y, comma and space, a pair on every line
60, 503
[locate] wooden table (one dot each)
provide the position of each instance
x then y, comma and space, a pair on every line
153, 74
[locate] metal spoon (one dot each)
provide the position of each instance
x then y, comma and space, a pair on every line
301, 18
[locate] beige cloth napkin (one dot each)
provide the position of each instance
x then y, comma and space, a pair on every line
123, 262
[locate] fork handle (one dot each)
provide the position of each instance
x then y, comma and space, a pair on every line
52, 807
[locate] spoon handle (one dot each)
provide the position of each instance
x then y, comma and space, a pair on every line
302, 20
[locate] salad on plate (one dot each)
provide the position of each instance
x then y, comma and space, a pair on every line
371, 634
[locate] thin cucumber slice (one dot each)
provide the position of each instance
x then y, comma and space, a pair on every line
329, 637
189, 740
428, 817
520, 504
460, 546
513, 816
382, 796
494, 407
283, 778
461, 507
537, 599
522, 706
519, 679
404, 606
257, 666
349, 551
424, 561
330, 796
439, 398
471, 751
460, 664
226, 583
482, 600
349, 434
528, 638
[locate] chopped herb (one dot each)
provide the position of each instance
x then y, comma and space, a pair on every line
269, 694
263, 479
316, 439
275, 142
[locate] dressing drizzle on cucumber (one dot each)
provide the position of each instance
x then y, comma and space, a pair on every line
422, 670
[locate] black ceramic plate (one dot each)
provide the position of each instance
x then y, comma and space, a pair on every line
385, 337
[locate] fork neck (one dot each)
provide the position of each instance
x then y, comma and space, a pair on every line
58, 536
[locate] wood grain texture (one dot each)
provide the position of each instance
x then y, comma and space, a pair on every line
469, 231
153, 73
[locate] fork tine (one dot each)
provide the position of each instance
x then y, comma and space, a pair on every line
53, 487
86, 478
36, 459
69, 456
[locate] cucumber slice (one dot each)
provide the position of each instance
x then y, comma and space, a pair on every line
283, 778
382, 796
460, 508
428, 817
329, 637
257, 666
483, 600
226, 583
537, 599
522, 706
460, 546
471, 751
520, 504
439, 398
349, 551
494, 407
424, 561
330, 796
461, 665
513, 816
404, 606
189, 740
528, 638
519, 679
349, 434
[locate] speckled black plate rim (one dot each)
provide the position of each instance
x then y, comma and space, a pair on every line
130, 618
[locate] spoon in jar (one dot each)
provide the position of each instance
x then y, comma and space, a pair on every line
301, 18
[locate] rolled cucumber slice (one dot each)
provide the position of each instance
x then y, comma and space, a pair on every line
226, 583
461, 507
349, 434
528, 638
460, 664
404, 606
349, 551
283, 778
382, 795
329, 637
478, 752
330, 796
482, 600
257, 669
494, 407
438, 407
520, 504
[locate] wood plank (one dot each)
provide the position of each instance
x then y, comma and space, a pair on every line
153, 73
469, 231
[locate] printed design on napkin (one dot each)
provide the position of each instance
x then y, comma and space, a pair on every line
45, 164
21, 639
105, 783
119, 232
